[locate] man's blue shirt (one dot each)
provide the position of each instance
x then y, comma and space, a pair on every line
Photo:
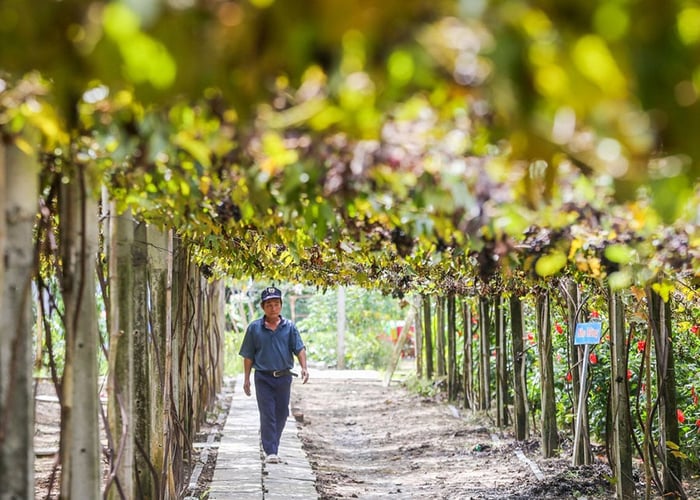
271, 350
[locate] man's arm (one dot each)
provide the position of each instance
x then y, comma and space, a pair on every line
247, 367
301, 356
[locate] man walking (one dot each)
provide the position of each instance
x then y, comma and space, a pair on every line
269, 346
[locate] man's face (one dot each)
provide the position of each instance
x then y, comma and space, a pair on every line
272, 307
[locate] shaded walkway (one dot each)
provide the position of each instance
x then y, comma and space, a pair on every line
240, 472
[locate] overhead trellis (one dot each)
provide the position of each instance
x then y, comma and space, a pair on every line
441, 149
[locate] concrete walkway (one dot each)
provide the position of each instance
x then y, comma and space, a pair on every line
240, 471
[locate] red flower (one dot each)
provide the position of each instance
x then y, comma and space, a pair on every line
558, 328
568, 377
530, 336
629, 374
695, 328
697, 424
681, 417
595, 314
593, 358
641, 345
475, 320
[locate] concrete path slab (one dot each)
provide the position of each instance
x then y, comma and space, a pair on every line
240, 472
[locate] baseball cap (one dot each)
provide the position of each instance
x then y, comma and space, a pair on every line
270, 293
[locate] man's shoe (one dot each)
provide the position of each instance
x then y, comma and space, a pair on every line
272, 459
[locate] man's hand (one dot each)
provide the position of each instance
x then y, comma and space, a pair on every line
246, 386
304, 375
247, 367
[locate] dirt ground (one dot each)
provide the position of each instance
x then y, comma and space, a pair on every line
47, 429
368, 441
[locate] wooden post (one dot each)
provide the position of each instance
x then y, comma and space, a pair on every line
550, 437
582, 443
142, 371
428, 337
120, 386
80, 451
158, 282
468, 357
660, 320
501, 365
519, 368
622, 444
581, 413
451, 348
172, 452
440, 336
19, 188
419, 339
484, 363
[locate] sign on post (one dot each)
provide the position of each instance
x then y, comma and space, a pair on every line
588, 333
585, 334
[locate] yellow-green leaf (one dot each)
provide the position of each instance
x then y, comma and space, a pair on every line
550, 264
664, 289
620, 280
619, 253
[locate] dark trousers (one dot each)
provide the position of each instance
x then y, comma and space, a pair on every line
273, 405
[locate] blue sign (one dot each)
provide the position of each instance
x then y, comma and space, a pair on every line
588, 333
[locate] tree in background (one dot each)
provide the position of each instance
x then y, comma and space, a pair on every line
370, 317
